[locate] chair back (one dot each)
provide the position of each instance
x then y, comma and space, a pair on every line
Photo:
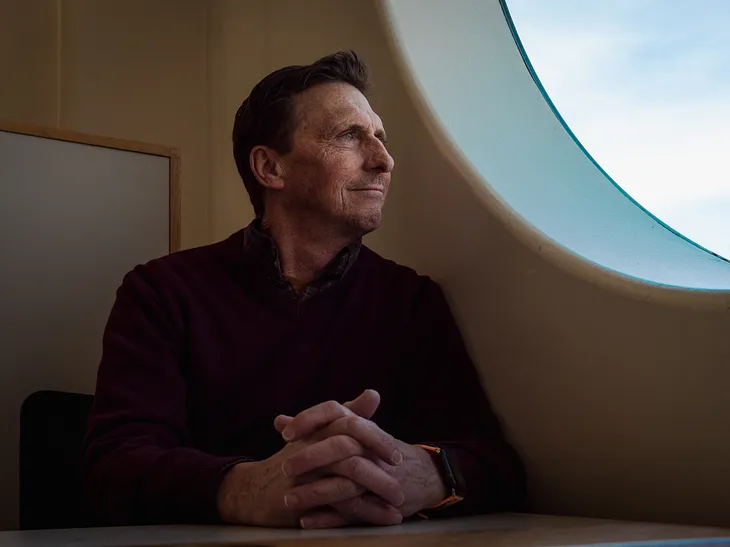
52, 429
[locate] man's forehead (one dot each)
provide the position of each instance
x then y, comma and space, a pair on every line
331, 104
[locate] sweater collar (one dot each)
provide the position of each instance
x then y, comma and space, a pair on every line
259, 245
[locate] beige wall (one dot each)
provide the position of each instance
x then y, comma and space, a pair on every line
237, 59
618, 406
28, 61
135, 69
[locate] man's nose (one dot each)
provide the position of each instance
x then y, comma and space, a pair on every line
379, 159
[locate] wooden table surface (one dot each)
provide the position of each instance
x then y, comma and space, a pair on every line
513, 530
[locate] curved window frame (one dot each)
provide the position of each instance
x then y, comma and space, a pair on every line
503, 134
556, 113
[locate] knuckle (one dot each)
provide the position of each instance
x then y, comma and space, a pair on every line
346, 488
356, 424
302, 459
317, 493
359, 465
352, 506
295, 462
354, 468
332, 407
338, 426
342, 445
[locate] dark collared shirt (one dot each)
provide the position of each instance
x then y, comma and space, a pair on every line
257, 242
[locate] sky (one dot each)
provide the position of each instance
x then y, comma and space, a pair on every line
645, 87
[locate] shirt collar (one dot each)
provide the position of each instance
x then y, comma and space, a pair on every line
257, 242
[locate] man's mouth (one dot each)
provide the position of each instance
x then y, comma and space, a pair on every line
378, 189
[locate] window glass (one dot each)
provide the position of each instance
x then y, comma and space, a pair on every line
645, 87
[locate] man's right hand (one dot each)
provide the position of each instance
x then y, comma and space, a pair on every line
261, 494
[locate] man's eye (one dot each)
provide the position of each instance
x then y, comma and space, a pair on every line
349, 135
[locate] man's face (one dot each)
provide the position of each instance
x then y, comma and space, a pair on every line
338, 171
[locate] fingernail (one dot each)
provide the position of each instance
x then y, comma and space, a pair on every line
305, 522
401, 499
285, 469
291, 500
397, 457
288, 433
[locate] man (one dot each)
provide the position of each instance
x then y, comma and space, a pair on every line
288, 375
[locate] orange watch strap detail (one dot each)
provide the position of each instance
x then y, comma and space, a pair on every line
450, 500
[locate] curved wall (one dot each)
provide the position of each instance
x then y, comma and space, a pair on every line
619, 405
479, 93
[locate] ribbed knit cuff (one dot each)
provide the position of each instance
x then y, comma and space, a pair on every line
194, 495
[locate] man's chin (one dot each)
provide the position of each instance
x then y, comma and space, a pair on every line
367, 223
358, 227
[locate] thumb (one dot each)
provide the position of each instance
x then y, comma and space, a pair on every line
365, 404
281, 421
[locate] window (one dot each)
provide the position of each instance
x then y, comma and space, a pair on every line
645, 88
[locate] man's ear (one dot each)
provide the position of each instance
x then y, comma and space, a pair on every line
266, 167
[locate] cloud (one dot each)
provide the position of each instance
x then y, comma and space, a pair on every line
645, 86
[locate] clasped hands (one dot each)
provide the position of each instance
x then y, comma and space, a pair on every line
337, 468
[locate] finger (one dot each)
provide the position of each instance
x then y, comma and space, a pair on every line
281, 421
310, 420
369, 509
366, 404
344, 456
325, 491
312, 476
324, 518
369, 435
363, 510
365, 473
321, 454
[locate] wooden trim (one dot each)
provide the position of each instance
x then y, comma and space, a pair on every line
118, 144
85, 138
175, 201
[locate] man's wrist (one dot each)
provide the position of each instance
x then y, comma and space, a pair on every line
436, 489
234, 500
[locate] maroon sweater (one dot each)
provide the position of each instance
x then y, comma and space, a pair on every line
205, 347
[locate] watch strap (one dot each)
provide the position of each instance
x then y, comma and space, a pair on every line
447, 473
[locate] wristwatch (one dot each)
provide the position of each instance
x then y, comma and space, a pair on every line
447, 473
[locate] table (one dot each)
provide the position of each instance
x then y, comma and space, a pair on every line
510, 530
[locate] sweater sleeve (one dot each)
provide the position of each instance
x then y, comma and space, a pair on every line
443, 402
138, 464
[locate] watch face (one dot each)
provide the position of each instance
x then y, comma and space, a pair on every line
449, 476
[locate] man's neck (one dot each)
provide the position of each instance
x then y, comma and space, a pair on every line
305, 249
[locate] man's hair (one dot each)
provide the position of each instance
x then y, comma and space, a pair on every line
267, 118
